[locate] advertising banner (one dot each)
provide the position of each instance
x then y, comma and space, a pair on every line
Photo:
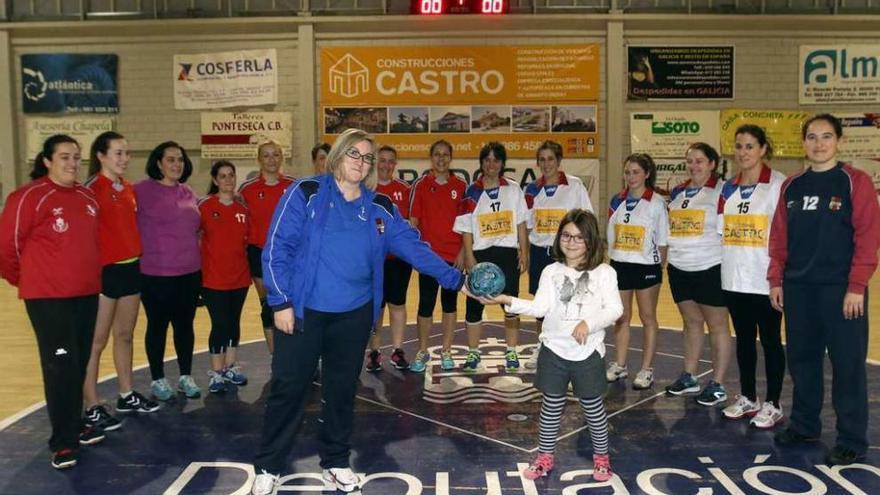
83, 129
668, 134
69, 83
225, 79
839, 74
680, 72
469, 95
783, 128
238, 134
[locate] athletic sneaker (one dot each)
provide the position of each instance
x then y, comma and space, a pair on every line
842, 456
188, 386
615, 372
644, 379
542, 465
374, 361
265, 484
602, 467
232, 374
686, 384
64, 459
398, 359
344, 479
97, 416
512, 360
421, 362
471, 362
768, 417
216, 382
532, 362
446, 361
90, 435
741, 408
136, 402
161, 389
713, 393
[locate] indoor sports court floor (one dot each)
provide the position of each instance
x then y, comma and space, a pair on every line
441, 433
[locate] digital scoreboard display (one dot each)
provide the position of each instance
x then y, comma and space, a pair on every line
445, 7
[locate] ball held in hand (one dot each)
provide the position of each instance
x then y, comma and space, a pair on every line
486, 280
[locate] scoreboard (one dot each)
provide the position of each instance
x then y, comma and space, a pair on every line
445, 7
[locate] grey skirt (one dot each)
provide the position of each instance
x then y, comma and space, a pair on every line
587, 377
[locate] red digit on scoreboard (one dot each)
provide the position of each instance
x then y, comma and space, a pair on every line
431, 7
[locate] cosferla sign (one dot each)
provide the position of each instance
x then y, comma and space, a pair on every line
458, 75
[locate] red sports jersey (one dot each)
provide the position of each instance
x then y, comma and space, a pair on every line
435, 206
117, 221
224, 244
398, 191
261, 199
49, 241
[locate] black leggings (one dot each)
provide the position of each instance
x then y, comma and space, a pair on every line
225, 307
428, 296
753, 315
170, 300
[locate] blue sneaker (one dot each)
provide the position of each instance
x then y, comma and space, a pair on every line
446, 361
161, 389
216, 383
712, 394
512, 360
188, 386
686, 384
233, 375
471, 362
420, 363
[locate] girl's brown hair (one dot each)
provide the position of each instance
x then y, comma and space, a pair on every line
588, 226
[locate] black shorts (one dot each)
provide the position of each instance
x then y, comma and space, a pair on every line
702, 287
508, 260
587, 377
255, 260
121, 279
635, 276
539, 258
396, 282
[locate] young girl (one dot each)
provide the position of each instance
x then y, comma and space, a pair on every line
578, 298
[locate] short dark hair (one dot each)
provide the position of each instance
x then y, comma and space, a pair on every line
645, 161
759, 134
386, 147
496, 149
318, 147
440, 142
553, 146
827, 117
39, 169
215, 169
153, 170
100, 145
587, 223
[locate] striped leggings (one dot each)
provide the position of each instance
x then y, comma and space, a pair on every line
551, 417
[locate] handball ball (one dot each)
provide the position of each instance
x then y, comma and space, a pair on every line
486, 280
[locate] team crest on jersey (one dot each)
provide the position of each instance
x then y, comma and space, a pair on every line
835, 204
261, 195
91, 210
60, 225
215, 214
380, 226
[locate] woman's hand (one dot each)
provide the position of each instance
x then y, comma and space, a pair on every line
776, 298
284, 320
853, 305
523, 258
469, 261
581, 332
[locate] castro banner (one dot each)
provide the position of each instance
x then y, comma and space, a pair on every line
238, 134
69, 83
468, 95
83, 129
225, 79
783, 128
668, 134
839, 74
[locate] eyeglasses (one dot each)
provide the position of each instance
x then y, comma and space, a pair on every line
354, 154
566, 237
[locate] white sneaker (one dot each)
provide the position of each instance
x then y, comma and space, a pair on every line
741, 408
343, 478
532, 363
615, 372
768, 417
644, 379
265, 484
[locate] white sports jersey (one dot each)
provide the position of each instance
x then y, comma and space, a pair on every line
637, 228
745, 216
694, 243
492, 215
549, 203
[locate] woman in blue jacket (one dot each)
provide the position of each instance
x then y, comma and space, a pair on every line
323, 267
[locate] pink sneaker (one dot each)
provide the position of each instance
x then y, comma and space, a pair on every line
542, 465
602, 467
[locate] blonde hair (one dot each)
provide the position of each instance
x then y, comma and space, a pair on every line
270, 143
346, 140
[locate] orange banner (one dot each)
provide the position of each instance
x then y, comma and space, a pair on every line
459, 75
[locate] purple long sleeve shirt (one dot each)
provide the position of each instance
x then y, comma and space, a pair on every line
168, 220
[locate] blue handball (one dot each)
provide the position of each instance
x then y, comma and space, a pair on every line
486, 280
